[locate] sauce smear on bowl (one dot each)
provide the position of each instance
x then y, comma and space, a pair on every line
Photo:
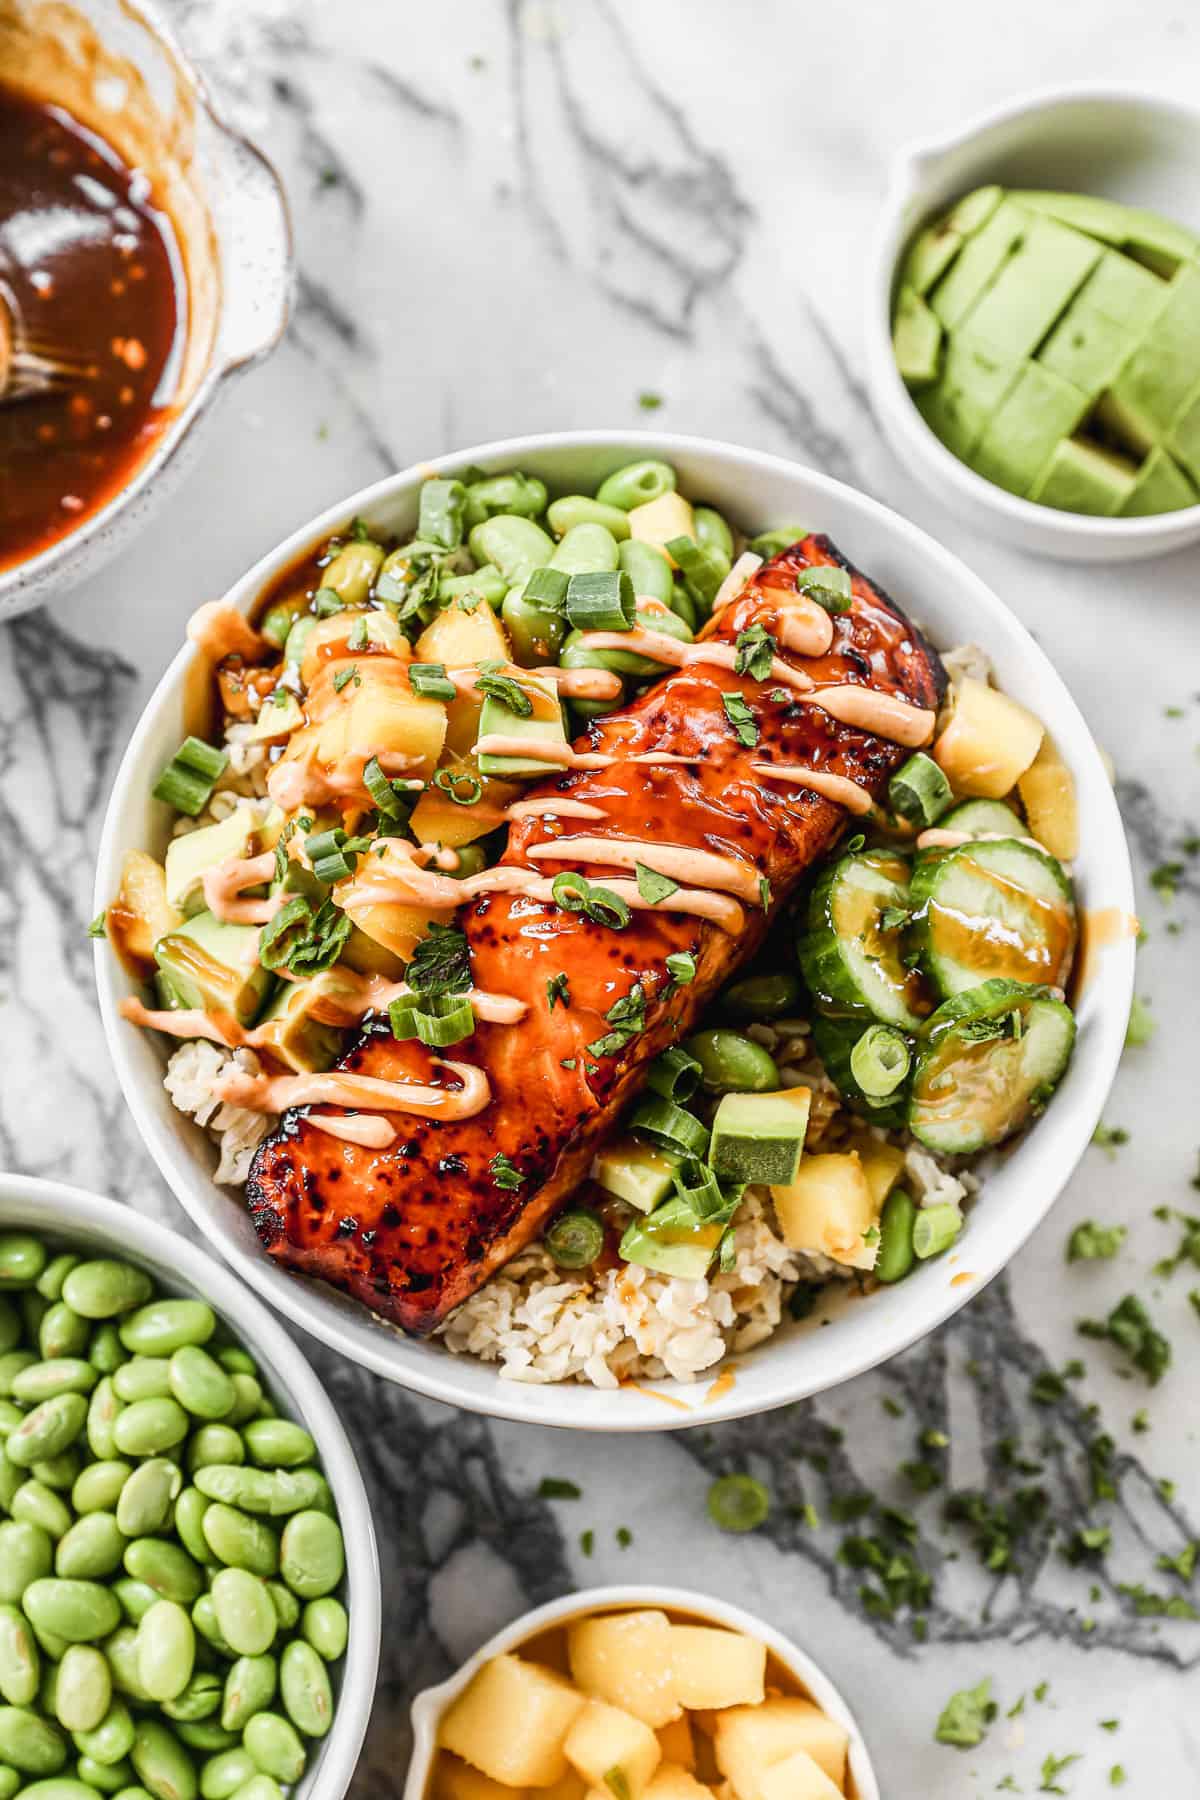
91, 282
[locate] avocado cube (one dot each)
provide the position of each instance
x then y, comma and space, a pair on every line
1017, 309
932, 252
979, 262
1160, 488
968, 391
1157, 242
192, 855
213, 966
974, 209
1159, 373
916, 339
1184, 438
289, 1030
759, 1137
544, 725
1110, 313
637, 1173
1084, 478
1023, 431
673, 1241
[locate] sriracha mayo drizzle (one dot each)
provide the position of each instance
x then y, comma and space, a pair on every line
218, 629
360, 1093
804, 627
368, 1129
699, 868
837, 788
661, 648
224, 882
557, 806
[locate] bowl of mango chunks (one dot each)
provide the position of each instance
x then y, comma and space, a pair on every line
638, 1693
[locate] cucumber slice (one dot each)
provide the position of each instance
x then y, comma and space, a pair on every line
850, 955
984, 818
995, 908
992, 1057
834, 1041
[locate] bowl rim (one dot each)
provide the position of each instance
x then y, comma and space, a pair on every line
435, 1376
900, 216
429, 1705
61, 1209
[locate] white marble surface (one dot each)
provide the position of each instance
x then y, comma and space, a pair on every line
516, 217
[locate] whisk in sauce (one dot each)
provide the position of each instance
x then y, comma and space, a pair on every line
93, 313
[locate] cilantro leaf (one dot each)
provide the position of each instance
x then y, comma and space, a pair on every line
504, 1173
966, 1716
1090, 1242
741, 718
441, 962
652, 886
755, 649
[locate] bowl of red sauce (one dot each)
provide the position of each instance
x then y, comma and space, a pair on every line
145, 257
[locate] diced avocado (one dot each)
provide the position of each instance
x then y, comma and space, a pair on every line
1084, 478
1153, 240
979, 262
1111, 311
1183, 439
1023, 431
211, 965
759, 1137
1017, 309
974, 209
290, 1031
279, 715
544, 724
916, 338
971, 386
673, 1242
932, 252
635, 1172
1160, 371
190, 857
1160, 487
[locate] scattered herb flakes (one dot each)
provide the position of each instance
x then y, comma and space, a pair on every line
681, 967
624, 1536
1087, 1544
966, 1716
1017, 1708
649, 401
652, 886
553, 1487
921, 1475
441, 962
1090, 1242
1165, 880
1194, 1300
99, 925
1110, 1724
587, 1542
566, 1062
1040, 1691
754, 652
1051, 1769
1183, 1565
935, 1440
1142, 1026
892, 1407
1109, 1138
358, 639
558, 992
1099, 1455
1116, 1776
741, 718
1140, 1421
764, 893
1188, 1247
345, 676
627, 1016
1148, 1605
504, 1173
1129, 1327
1047, 1387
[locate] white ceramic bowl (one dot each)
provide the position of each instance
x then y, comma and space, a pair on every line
85, 1222
429, 1706
1116, 142
117, 69
940, 592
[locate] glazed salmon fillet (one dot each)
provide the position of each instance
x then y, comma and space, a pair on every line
415, 1229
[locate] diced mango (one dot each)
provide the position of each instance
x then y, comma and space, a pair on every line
456, 1780
829, 1208
625, 1658
610, 1748
381, 714
1047, 790
749, 1739
675, 1742
351, 634
437, 818
658, 521
881, 1164
141, 912
370, 957
397, 928
715, 1668
511, 1722
989, 743
457, 639
673, 1783
797, 1777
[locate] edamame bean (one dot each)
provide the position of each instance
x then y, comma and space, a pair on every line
164, 1326
278, 1444
49, 1283
245, 1615
143, 1378
486, 584
199, 1699
515, 493
36, 1504
648, 569
112, 1739
190, 1509
200, 1384
305, 1690
205, 1734
83, 1691
204, 1618
33, 1311
46, 1431
120, 1650
580, 509
712, 531
763, 996
248, 1399
575, 654
58, 1472
238, 1540
166, 1650
63, 1332
249, 1688
20, 1664
275, 1747
534, 634
223, 1774
733, 1064
105, 1287
30, 1743
279, 618
135, 1598
145, 1501
312, 1556
326, 1627
636, 484
586, 549
273, 1492
134, 1792
107, 1351
770, 543
10, 1783
26, 1555
45, 1380
92, 1547
10, 1417
76, 1611
352, 571
260, 1787
165, 1567
102, 1412
10, 1326
287, 1607
895, 1256
150, 1426
22, 1259
214, 1444
11, 1364
163, 1764
515, 546
107, 1778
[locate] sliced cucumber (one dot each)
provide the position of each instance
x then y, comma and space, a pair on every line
850, 955
990, 909
992, 1057
834, 1041
980, 818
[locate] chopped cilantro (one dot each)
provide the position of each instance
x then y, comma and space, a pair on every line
1148, 1605
1141, 1026
358, 639
624, 1536
587, 1542
649, 401
504, 1173
440, 963
966, 1716
627, 1016
1165, 880
345, 676
741, 718
1040, 1691
755, 652
1090, 1242
1051, 1769
566, 1062
99, 925
558, 991
1110, 1724
681, 967
764, 893
1088, 1543
1129, 1327
1140, 1420
552, 1487
1109, 1138
1116, 1776
1183, 1565
652, 886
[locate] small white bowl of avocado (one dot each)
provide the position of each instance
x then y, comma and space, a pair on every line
1033, 322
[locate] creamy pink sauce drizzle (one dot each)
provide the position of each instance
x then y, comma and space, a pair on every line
359, 1093
937, 839
698, 868
883, 715
299, 782
577, 684
218, 629
742, 572
556, 755
556, 806
837, 788
804, 627
661, 648
371, 1131
224, 882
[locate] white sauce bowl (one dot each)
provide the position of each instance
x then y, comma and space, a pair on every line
429, 1707
755, 491
1116, 142
98, 1227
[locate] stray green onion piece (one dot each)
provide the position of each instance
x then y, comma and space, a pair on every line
827, 584
575, 893
189, 778
327, 601
431, 681
670, 1126
919, 792
675, 1075
436, 1019
936, 1228
575, 1239
738, 1503
601, 601
504, 688
392, 802
880, 1061
99, 925
440, 514
702, 565
462, 785
699, 1189
546, 589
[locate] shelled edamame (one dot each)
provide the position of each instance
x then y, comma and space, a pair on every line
170, 1556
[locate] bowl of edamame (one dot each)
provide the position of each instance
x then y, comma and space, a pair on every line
189, 1587
404, 980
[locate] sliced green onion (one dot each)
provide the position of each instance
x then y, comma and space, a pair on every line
393, 802
919, 791
506, 690
675, 1075
575, 1239
738, 1503
431, 681
463, 787
936, 1228
547, 589
880, 1061
681, 967
571, 891
440, 513
652, 886
699, 1189
436, 1019
327, 601
738, 713
333, 855
606, 908
727, 1251
667, 1124
704, 568
828, 585
189, 778
601, 601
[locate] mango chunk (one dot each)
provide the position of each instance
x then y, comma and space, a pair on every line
675, 1742
673, 1783
830, 1208
511, 1722
989, 743
749, 1739
625, 1658
456, 1780
797, 1777
1047, 790
716, 1668
658, 521
611, 1749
